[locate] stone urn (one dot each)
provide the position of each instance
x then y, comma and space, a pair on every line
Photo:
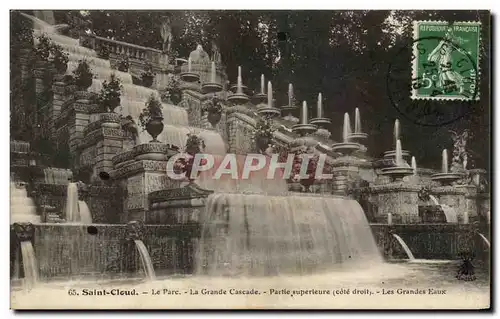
111, 104
155, 127
84, 83
214, 117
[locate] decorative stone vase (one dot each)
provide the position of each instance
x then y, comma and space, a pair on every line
214, 117
154, 128
147, 80
110, 105
84, 83
111, 120
262, 143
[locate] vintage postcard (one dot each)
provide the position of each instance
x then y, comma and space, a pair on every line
180, 159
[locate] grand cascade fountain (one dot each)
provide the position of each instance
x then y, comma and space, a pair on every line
114, 213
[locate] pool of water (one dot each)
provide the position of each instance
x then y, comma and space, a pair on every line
420, 284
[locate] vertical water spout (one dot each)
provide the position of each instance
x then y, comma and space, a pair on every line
399, 154
414, 165
290, 95
84, 211
239, 84
146, 262
346, 130
262, 84
320, 106
389, 218
269, 94
30, 266
444, 164
357, 121
396, 131
189, 64
303, 114
466, 217
213, 73
72, 203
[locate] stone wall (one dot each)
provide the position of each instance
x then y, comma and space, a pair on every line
241, 128
50, 195
431, 241
72, 252
105, 204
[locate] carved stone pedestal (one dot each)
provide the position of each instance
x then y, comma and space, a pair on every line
345, 171
140, 172
241, 127
59, 99
100, 144
77, 118
398, 199
177, 206
470, 201
453, 197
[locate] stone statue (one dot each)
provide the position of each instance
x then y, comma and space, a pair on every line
166, 34
216, 57
199, 56
460, 153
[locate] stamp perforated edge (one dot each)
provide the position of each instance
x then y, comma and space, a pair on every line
415, 33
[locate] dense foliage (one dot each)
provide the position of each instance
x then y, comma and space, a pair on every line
83, 75
109, 96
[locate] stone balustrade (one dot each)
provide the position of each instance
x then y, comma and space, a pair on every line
135, 53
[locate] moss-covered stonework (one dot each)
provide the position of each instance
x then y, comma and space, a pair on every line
74, 252
431, 241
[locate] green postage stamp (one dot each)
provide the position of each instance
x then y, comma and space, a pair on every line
445, 60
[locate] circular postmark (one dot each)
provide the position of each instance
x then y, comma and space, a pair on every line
431, 87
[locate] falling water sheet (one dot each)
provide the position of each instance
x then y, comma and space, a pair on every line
399, 219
